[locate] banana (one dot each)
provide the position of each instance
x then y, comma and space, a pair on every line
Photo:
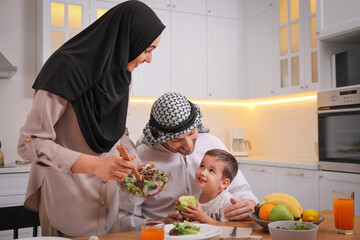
282, 198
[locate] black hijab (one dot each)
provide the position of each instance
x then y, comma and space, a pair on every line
90, 70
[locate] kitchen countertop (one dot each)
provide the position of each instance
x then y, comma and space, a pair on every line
302, 163
18, 167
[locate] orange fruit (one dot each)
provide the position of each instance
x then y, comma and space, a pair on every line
265, 211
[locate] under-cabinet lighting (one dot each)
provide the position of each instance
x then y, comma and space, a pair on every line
234, 103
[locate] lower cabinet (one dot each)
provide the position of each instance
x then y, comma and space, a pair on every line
330, 181
262, 179
300, 183
313, 188
12, 193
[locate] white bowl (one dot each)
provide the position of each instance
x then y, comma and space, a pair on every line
282, 234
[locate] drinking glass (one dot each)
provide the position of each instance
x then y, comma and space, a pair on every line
344, 212
152, 230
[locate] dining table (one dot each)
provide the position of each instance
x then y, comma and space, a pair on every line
326, 230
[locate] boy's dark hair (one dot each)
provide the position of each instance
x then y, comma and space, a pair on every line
230, 163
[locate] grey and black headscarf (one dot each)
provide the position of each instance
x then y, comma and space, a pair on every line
172, 115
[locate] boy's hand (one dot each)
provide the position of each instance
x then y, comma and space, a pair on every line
195, 213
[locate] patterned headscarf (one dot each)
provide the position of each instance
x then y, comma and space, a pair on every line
172, 115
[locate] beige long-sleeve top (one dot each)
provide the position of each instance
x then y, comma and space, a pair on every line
76, 204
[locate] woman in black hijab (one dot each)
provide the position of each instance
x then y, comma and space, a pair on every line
78, 118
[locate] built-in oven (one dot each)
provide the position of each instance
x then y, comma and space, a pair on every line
339, 129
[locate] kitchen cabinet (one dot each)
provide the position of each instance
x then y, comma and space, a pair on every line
12, 193
223, 63
301, 184
217, 8
298, 182
262, 179
297, 46
338, 29
337, 17
329, 181
189, 59
154, 79
57, 22
281, 49
253, 8
259, 51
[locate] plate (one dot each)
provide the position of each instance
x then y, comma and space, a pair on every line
206, 231
254, 216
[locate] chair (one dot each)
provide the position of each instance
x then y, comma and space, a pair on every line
13, 218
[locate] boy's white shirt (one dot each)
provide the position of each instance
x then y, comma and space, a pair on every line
215, 207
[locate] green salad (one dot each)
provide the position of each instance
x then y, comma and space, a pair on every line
296, 227
151, 182
184, 229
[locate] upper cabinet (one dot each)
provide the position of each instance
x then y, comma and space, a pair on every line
297, 48
337, 17
338, 29
199, 52
57, 22
259, 52
280, 47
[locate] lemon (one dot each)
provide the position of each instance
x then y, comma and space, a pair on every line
310, 215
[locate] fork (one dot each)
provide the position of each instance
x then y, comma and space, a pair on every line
233, 234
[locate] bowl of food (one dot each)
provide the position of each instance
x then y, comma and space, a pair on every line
148, 183
294, 230
263, 223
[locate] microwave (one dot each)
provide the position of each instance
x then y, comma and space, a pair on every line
345, 67
339, 129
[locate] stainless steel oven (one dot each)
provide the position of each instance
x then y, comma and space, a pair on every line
339, 129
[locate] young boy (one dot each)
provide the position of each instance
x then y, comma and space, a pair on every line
217, 169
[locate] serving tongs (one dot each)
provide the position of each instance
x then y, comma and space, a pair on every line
125, 155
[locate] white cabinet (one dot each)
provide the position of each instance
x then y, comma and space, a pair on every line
259, 51
228, 9
223, 63
57, 22
198, 55
301, 184
189, 54
12, 193
297, 47
253, 8
262, 179
337, 17
154, 79
330, 181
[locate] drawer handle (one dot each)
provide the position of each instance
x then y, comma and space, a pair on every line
295, 174
258, 170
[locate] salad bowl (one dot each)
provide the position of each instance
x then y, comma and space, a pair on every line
150, 182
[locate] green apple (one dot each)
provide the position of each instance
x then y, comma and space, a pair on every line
280, 213
184, 201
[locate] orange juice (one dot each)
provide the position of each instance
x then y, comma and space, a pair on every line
344, 213
152, 234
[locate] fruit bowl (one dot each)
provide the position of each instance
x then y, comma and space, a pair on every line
278, 233
151, 182
254, 216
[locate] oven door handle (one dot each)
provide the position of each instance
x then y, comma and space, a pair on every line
338, 110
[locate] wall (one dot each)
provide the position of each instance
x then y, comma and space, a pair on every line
277, 129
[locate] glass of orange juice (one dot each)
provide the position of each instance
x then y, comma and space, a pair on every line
152, 230
344, 211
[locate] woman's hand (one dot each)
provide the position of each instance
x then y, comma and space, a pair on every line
112, 168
